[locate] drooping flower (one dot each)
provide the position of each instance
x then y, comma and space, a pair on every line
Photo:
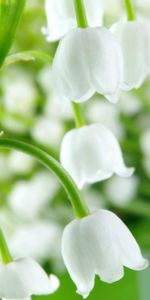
23, 278
87, 61
61, 17
134, 39
99, 244
92, 153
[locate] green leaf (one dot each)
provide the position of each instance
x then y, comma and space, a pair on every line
10, 14
27, 56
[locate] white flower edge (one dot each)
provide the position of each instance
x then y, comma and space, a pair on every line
61, 17
99, 244
91, 154
136, 55
25, 277
79, 71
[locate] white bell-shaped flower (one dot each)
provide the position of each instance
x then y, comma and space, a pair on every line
61, 17
99, 244
23, 278
134, 39
92, 153
87, 61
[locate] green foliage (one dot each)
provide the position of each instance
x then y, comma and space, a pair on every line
10, 13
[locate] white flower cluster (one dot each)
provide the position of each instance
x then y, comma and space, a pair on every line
88, 61
92, 60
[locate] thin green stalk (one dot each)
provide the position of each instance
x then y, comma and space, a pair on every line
82, 23
78, 115
80, 13
130, 10
10, 14
53, 165
4, 251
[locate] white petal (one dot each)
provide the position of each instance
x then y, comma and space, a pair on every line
88, 61
88, 248
60, 19
89, 162
130, 251
95, 12
55, 283
106, 64
24, 277
61, 16
126, 186
77, 258
133, 37
99, 244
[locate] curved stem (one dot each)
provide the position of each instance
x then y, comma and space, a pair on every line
78, 115
80, 13
130, 10
5, 253
53, 165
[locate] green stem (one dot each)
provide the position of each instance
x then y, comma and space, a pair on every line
78, 116
80, 13
10, 14
130, 10
82, 23
5, 253
53, 165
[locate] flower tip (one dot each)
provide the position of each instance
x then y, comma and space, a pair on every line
144, 263
83, 294
124, 171
55, 283
113, 98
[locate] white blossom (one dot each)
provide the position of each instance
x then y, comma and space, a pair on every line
87, 61
92, 153
99, 244
106, 113
47, 131
121, 190
61, 17
134, 39
20, 94
23, 278
39, 240
20, 163
28, 198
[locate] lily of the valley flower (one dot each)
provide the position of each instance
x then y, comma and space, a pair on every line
92, 153
134, 39
24, 277
61, 17
99, 244
87, 61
